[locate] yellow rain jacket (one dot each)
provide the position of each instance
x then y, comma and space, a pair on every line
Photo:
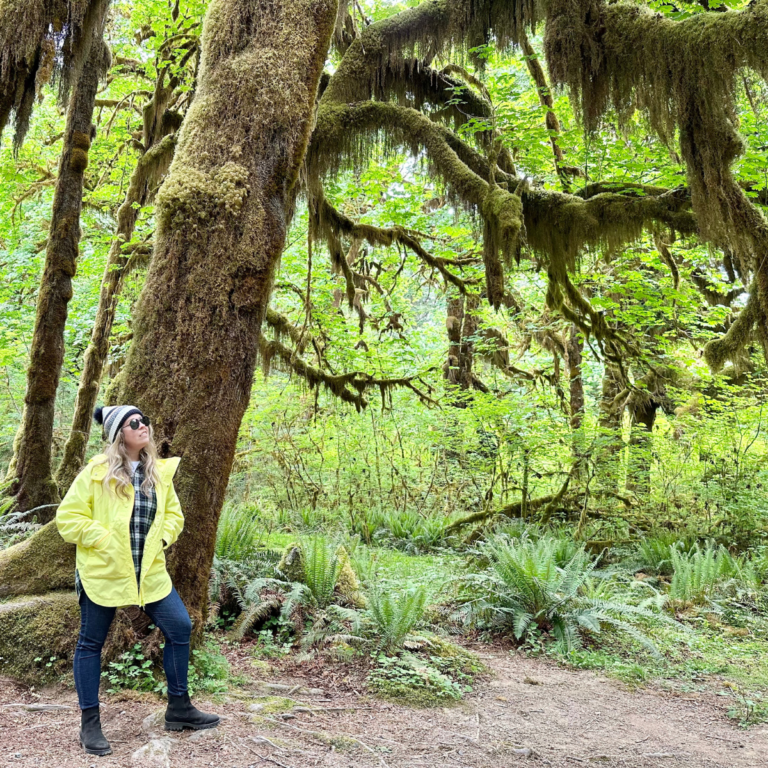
99, 523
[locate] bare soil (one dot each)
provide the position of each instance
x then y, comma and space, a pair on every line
529, 712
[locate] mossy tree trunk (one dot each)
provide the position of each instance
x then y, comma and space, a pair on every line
222, 218
32, 484
643, 416
222, 215
461, 324
573, 353
609, 423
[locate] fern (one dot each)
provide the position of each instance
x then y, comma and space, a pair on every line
394, 616
698, 574
321, 568
238, 533
334, 625
526, 590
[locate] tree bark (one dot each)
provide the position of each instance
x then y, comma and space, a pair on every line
573, 350
30, 468
462, 325
222, 215
609, 422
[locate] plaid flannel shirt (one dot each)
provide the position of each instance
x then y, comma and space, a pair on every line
144, 508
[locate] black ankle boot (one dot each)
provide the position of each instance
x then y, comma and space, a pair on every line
181, 713
91, 737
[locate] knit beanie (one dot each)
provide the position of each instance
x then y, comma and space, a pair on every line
113, 417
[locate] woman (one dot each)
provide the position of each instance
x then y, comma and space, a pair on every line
122, 511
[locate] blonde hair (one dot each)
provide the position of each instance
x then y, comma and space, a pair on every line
119, 467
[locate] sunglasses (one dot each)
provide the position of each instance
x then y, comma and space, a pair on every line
136, 423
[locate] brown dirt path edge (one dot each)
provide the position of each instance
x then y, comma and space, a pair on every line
569, 718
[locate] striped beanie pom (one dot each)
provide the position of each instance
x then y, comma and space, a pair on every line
113, 417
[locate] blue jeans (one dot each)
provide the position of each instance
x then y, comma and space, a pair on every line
170, 614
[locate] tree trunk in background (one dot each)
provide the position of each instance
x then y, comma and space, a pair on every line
643, 416
461, 324
222, 215
609, 423
149, 169
573, 349
454, 323
30, 468
573, 352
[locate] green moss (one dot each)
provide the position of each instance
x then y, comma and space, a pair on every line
731, 345
291, 563
27, 32
274, 704
347, 584
623, 56
32, 630
195, 195
78, 160
37, 565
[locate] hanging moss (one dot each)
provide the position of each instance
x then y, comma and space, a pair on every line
502, 214
342, 137
561, 225
684, 75
330, 224
29, 30
448, 27
282, 326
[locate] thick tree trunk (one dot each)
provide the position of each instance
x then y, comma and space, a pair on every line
222, 215
30, 469
149, 169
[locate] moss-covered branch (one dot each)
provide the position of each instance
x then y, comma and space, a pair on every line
330, 222
341, 137
685, 75
731, 345
416, 35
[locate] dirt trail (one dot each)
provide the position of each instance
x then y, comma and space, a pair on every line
564, 717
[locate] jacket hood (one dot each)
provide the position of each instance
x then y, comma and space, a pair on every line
166, 467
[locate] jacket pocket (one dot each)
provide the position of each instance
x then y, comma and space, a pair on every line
105, 562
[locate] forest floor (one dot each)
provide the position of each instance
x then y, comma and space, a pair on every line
526, 711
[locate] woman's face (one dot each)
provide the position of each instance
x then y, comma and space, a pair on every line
135, 439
